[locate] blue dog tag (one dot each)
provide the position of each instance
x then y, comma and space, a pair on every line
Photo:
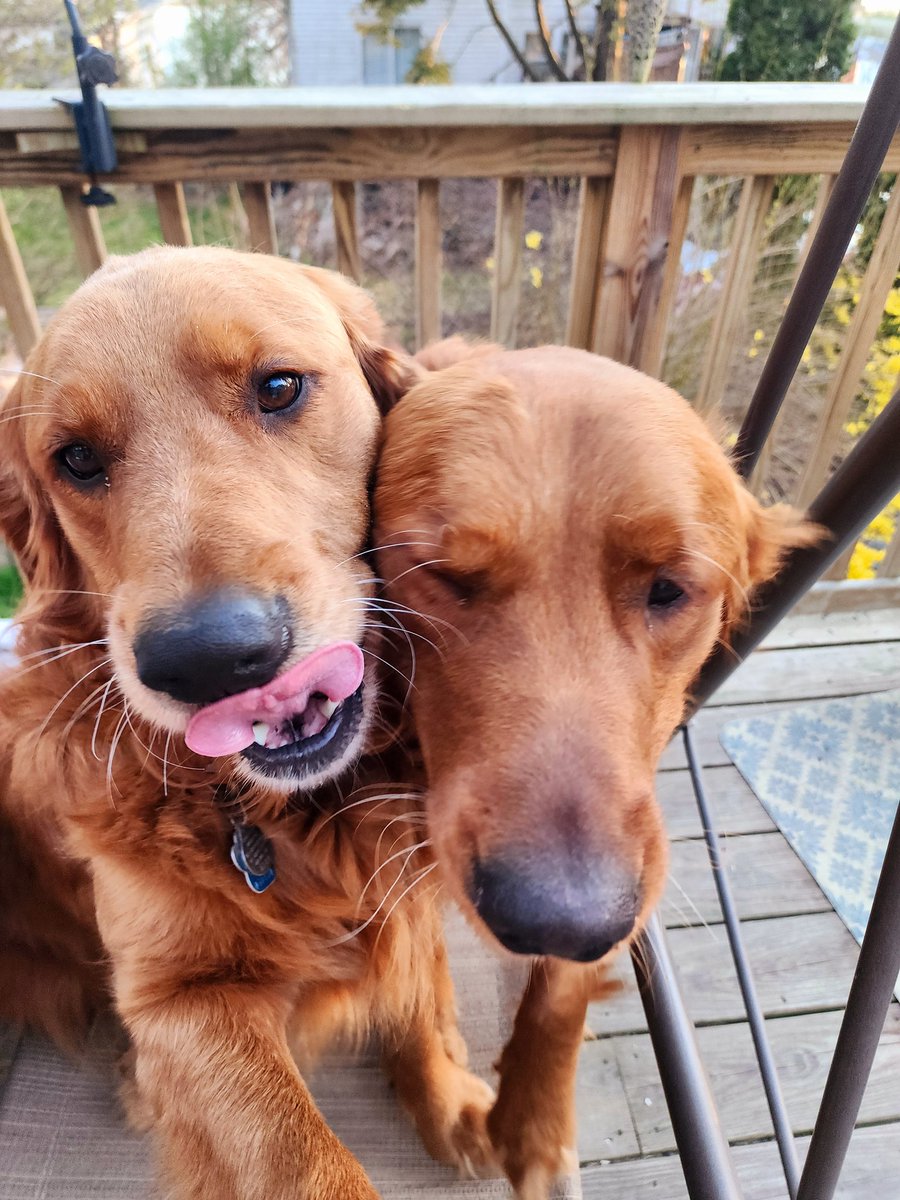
252, 854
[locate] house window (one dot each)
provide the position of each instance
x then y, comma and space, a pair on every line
390, 62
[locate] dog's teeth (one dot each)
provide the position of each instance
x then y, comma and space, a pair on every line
328, 708
260, 732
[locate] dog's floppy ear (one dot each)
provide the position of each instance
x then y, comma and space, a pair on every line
766, 536
390, 373
28, 524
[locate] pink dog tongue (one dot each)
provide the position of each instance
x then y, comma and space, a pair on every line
226, 727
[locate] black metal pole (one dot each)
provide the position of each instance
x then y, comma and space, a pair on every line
784, 1135
705, 1153
857, 176
867, 1006
859, 489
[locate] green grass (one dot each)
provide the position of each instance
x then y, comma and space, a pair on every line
10, 590
42, 232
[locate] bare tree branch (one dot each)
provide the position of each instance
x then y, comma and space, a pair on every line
544, 34
508, 38
576, 34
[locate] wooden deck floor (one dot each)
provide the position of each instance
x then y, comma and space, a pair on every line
802, 954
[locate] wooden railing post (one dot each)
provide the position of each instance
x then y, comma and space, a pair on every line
428, 262
743, 257
171, 208
84, 225
343, 203
257, 201
638, 230
15, 291
590, 238
508, 239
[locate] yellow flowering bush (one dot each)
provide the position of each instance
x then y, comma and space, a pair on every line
880, 381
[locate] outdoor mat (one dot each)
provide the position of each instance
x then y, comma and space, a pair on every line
829, 775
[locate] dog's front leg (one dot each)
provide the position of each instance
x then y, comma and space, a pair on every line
212, 1073
532, 1125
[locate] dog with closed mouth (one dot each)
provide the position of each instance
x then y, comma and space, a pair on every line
569, 542
184, 481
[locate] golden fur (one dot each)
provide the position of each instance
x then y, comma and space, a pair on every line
526, 503
115, 866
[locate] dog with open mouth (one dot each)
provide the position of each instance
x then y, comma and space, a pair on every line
184, 481
568, 541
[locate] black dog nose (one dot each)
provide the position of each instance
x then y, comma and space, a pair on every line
552, 905
214, 645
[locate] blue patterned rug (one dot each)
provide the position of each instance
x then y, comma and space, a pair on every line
829, 776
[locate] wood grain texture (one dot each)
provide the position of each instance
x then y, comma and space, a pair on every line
257, 201
590, 238
889, 567
640, 218
736, 808
250, 155
654, 344
84, 226
872, 1161
799, 964
802, 1047
15, 290
743, 256
173, 214
811, 673
429, 261
506, 285
767, 877
757, 149
343, 204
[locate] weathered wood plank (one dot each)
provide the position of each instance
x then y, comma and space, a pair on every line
590, 237
171, 208
849, 595
766, 876
84, 226
605, 1125
334, 153
743, 255
802, 1047
634, 257
15, 290
507, 285
800, 964
835, 629
813, 673
844, 384
873, 1158
757, 149
654, 347
257, 202
735, 808
428, 262
343, 204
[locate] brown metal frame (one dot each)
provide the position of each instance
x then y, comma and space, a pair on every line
857, 492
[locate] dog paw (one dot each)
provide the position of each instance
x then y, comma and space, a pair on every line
531, 1153
455, 1130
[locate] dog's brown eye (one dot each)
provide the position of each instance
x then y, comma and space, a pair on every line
82, 463
280, 391
664, 593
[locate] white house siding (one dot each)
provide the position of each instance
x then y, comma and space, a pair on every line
328, 48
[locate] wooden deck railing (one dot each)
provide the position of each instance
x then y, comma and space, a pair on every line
636, 150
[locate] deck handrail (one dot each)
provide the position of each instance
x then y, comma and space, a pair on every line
637, 149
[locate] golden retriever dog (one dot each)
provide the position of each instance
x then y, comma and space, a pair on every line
184, 480
568, 542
